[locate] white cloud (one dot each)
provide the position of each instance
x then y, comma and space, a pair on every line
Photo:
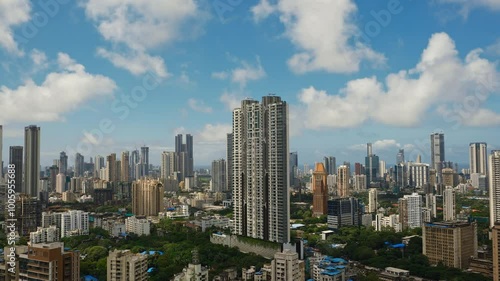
61, 92
137, 63
243, 74
262, 10
220, 75
405, 97
325, 34
379, 145
214, 134
39, 58
136, 26
199, 106
12, 13
231, 100
494, 49
468, 5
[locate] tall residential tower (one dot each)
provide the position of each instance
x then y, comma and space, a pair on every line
260, 169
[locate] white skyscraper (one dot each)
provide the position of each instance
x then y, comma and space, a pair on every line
31, 160
449, 204
494, 186
418, 174
414, 210
382, 167
437, 153
74, 222
260, 169
478, 158
60, 183
372, 200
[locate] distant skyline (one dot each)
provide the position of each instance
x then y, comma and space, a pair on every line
390, 73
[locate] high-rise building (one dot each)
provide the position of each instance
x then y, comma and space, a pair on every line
123, 265
194, 272
229, 151
74, 222
294, 166
219, 176
184, 154
400, 158
63, 162
125, 166
372, 163
260, 170
286, 266
359, 183
167, 164
449, 204
147, 197
79, 165
134, 161
1, 155
437, 154
16, 158
330, 165
494, 186
478, 158
320, 190
28, 214
495, 233
60, 183
31, 160
144, 160
99, 164
111, 168
450, 243
382, 168
343, 212
343, 176
359, 169
410, 211
46, 262
372, 200
418, 174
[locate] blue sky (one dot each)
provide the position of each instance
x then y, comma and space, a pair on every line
102, 76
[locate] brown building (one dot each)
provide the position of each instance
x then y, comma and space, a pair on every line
147, 197
452, 243
44, 262
449, 177
320, 190
125, 266
28, 214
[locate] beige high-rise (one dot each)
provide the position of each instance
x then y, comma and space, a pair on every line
343, 175
147, 197
452, 243
123, 265
320, 190
286, 266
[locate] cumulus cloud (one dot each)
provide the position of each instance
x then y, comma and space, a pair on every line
214, 133
12, 13
262, 10
325, 34
136, 26
242, 74
136, 63
379, 145
494, 49
199, 106
405, 97
231, 100
61, 92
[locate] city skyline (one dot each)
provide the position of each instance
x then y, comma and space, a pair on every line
191, 93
